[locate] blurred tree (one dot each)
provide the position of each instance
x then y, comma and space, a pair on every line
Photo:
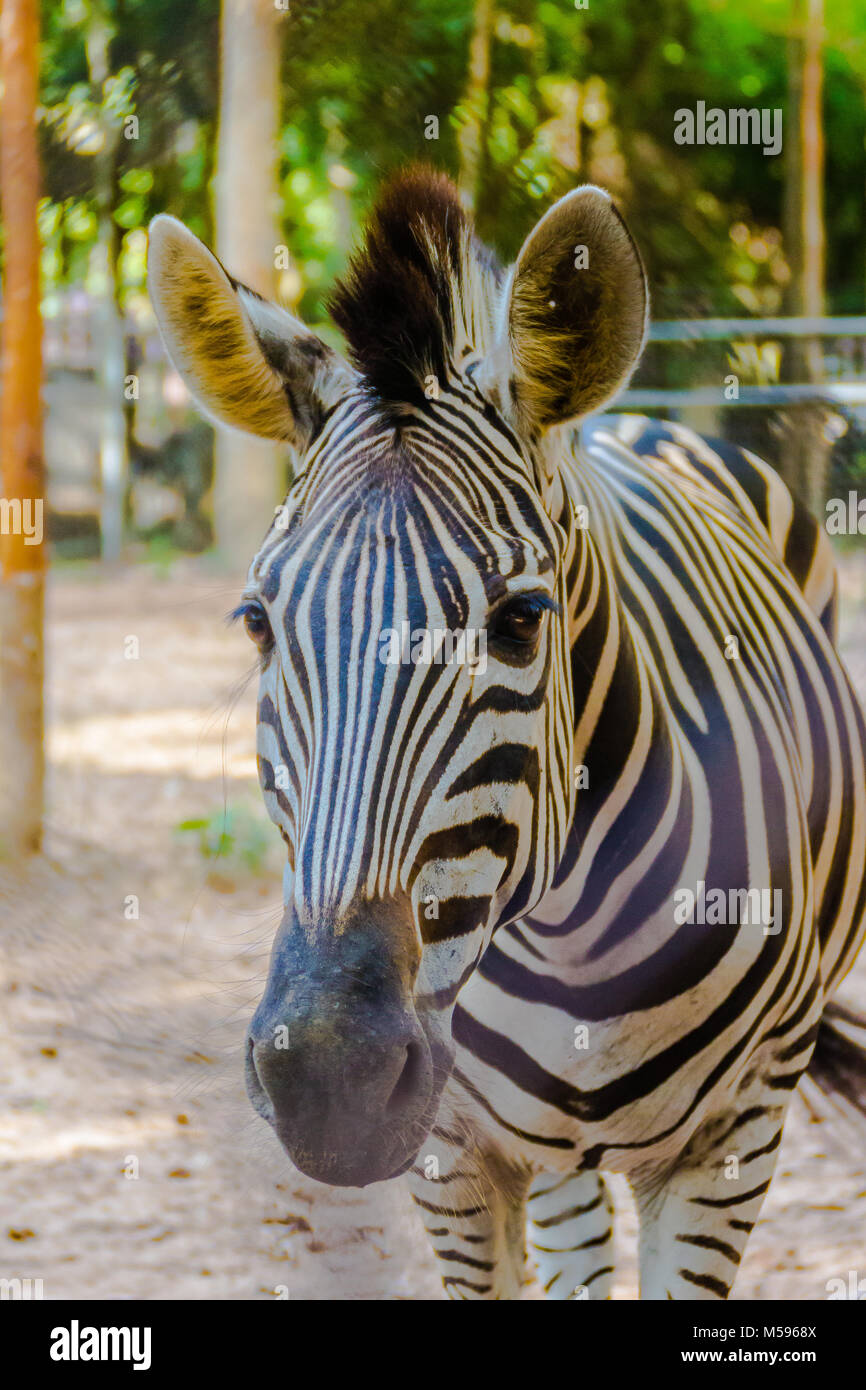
119, 135
108, 114
571, 94
249, 473
561, 95
472, 132
21, 472
161, 85
806, 449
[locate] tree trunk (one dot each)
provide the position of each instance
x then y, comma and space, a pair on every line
249, 473
806, 451
470, 139
112, 363
21, 467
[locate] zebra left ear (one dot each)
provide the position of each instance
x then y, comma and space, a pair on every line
247, 362
577, 311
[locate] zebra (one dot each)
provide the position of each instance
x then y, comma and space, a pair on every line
483, 978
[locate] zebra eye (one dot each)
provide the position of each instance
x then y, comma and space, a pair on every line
520, 620
257, 625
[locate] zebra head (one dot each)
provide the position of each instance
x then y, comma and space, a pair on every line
411, 608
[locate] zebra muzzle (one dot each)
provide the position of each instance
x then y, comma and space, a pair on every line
338, 1060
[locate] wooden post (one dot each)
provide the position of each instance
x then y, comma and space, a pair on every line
22, 550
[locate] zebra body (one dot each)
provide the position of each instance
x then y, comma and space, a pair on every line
488, 968
531, 1091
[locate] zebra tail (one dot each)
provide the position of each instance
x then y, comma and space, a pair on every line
838, 1065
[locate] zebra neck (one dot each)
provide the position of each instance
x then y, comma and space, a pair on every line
621, 717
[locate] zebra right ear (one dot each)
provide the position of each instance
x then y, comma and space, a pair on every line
247, 362
576, 312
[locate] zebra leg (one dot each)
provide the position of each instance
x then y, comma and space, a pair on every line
697, 1214
474, 1215
571, 1234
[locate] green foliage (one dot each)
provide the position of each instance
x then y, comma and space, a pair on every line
237, 837
164, 73
161, 553
848, 463
573, 95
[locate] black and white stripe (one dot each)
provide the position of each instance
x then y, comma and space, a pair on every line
677, 717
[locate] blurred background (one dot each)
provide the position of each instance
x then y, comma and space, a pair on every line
272, 155
139, 879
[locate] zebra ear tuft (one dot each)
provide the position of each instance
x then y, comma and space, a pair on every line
247, 362
577, 311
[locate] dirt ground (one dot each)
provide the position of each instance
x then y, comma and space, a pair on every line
132, 1164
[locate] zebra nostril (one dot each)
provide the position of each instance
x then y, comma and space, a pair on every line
408, 1080
259, 1098
250, 1063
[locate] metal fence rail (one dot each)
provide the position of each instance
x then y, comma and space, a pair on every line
695, 330
850, 392
839, 393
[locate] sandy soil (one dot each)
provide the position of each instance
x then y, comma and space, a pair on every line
132, 1165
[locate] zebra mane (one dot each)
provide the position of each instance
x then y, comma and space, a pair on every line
418, 292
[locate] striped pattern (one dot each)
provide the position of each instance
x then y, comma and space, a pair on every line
519, 838
386, 538
744, 772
